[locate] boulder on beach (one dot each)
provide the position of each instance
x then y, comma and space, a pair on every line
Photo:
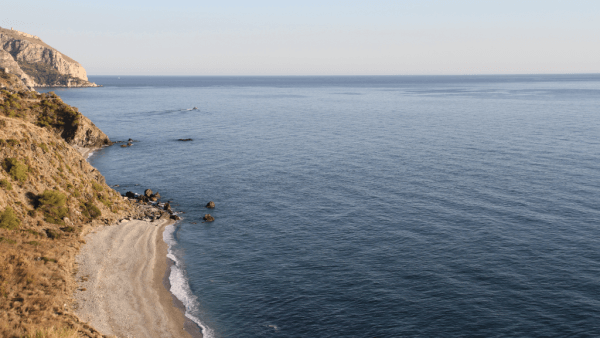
156, 194
148, 192
167, 206
175, 217
210, 205
208, 218
129, 194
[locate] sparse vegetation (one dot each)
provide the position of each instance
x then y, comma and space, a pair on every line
97, 186
35, 197
5, 184
89, 210
8, 240
52, 202
52, 234
16, 169
8, 220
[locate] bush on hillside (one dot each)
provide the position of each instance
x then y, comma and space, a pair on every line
52, 198
16, 169
8, 220
89, 210
5, 184
52, 203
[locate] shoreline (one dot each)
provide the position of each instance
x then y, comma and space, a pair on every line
120, 274
156, 269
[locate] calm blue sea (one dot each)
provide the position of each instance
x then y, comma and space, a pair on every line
433, 206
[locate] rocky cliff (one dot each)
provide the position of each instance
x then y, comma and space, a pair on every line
38, 64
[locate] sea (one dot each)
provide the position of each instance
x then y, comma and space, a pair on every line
368, 206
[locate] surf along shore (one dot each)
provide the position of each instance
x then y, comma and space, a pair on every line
53, 204
123, 277
122, 268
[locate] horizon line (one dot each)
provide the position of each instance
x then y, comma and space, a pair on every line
510, 74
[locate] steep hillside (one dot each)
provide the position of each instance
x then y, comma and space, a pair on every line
43, 65
50, 196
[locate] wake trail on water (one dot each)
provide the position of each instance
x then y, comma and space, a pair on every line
172, 111
180, 286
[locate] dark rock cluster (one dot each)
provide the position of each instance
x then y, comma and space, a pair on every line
152, 210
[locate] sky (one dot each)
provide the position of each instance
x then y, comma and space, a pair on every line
309, 37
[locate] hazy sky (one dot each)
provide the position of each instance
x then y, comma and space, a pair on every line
325, 37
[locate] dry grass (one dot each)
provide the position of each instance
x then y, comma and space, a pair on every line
37, 258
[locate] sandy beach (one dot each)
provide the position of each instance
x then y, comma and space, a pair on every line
120, 272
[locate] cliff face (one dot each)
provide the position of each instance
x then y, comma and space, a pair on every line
12, 82
43, 65
12, 67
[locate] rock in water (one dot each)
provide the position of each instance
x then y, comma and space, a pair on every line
210, 205
156, 194
208, 218
148, 192
129, 194
167, 207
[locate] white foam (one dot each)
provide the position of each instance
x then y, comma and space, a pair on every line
180, 286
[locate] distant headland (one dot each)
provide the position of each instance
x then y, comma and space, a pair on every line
37, 64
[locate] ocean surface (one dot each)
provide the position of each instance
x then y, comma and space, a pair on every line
432, 206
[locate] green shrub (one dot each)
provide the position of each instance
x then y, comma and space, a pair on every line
52, 234
8, 220
97, 187
5, 184
16, 169
52, 198
89, 210
8, 240
105, 200
52, 202
46, 260
33, 232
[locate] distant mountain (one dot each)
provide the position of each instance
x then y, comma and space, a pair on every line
37, 64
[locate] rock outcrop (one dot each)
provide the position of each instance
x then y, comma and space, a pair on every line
12, 82
10, 66
49, 111
42, 65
